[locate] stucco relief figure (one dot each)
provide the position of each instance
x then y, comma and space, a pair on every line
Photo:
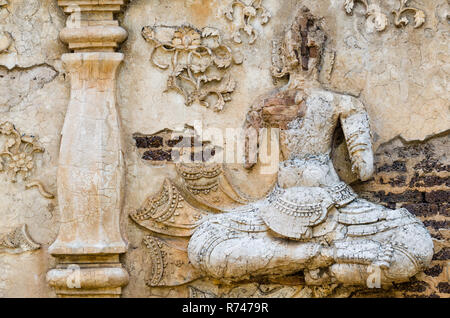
312, 221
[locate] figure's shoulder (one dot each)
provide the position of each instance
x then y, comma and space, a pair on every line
346, 103
319, 98
274, 98
322, 94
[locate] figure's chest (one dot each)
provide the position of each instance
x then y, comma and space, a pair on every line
312, 131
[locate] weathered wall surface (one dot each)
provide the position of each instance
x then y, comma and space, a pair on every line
34, 95
400, 74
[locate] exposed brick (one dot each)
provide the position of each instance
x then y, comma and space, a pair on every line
442, 255
445, 210
203, 156
422, 209
280, 100
412, 196
280, 115
430, 165
149, 142
157, 155
416, 150
414, 286
398, 181
175, 141
421, 167
444, 287
436, 224
434, 271
428, 181
397, 166
437, 196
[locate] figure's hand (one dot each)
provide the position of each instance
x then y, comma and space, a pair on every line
363, 164
365, 251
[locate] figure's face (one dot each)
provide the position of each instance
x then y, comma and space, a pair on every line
299, 53
303, 45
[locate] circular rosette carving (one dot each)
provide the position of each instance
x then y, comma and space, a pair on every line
17, 156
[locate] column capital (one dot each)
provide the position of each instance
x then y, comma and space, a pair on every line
69, 6
91, 25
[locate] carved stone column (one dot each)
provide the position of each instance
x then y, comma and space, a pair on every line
91, 166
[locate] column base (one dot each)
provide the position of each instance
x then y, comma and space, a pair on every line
88, 276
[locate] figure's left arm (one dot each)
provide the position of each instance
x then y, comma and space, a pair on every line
355, 124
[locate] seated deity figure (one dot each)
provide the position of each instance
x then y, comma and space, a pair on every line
311, 221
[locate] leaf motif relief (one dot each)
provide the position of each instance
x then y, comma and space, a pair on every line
265, 16
249, 29
198, 61
228, 13
17, 241
210, 32
419, 19
376, 20
179, 68
223, 60
251, 10
237, 37
401, 20
349, 5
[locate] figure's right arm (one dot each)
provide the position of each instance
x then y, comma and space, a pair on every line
273, 111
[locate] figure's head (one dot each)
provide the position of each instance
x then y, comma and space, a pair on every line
299, 52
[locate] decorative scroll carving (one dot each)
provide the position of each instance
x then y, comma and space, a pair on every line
379, 21
198, 60
40, 188
167, 212
158, 258
169, 263
18, 241
373, 14
250, 11
419, 15
200, 178
17, 156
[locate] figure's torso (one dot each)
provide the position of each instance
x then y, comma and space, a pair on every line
306, 143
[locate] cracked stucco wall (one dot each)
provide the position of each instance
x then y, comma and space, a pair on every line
33, 96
